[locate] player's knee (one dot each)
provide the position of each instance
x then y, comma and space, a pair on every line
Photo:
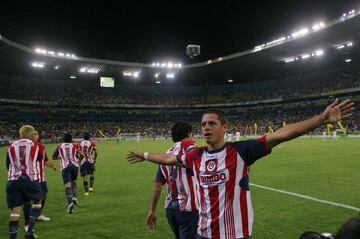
14, 216
36, 205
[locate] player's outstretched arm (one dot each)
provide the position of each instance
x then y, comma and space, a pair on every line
152, 217
333, 113
166, 159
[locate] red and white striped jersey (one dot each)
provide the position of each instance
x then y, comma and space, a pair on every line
88, 148
180, 181
41, 170
67, 154
225, 209
22, 158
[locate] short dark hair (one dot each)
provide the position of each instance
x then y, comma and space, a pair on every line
220, 114
67, 138
180, 130
86, 135
350, 230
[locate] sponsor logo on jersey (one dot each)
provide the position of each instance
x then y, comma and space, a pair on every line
214, 178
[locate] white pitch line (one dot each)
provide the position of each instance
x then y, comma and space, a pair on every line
307, 197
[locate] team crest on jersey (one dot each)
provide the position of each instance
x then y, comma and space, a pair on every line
211, 165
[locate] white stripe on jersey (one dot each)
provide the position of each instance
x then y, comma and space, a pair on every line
236, 206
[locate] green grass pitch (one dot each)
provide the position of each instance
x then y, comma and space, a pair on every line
325, 170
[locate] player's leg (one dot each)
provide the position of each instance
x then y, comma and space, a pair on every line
26, 210
44, 190
74, 175
85, 176
188, 222
171, 217
14, 222
31, 190
92, 177
68, 192
14, 202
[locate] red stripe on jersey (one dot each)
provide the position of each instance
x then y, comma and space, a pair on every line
214, 210
231, 165
243, 204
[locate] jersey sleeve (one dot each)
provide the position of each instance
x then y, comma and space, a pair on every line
189, 145
7, 161
56, 152
41, 154
252, 150
188, 159
160, 177
46, 157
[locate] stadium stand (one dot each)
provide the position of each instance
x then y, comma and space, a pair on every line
48, 104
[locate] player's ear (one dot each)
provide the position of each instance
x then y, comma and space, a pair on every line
225, 127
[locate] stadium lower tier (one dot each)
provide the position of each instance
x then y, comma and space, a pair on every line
52, 121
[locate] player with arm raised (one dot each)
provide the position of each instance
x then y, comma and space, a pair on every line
222, 169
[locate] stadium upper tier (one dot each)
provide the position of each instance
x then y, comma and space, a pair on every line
330, 82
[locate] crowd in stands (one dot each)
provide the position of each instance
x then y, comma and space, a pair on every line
159, 127
74, 97
72, 92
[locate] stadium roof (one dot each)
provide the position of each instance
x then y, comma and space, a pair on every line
246, 65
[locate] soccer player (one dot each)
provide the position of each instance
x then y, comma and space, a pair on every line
229, 137
43, 185
334, 136
68, 153
180, 203
222, 169
23, 175
324, 135
237, 136
87, 164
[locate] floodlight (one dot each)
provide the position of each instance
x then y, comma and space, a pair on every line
158, 82
73, 77
170, 75
61, 54
319, 52
302, 32
136, 74
230, 80
127, 73
347, 60
170, 65
305, 56
38, 64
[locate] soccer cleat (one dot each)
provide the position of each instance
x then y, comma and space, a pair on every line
31, 236
75, 201
43, 218
26, 227
70, 208
91, 190
86, 194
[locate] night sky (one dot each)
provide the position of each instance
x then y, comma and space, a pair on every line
148, 31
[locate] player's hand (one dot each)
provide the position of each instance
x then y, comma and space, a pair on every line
151, 220
337, 111
135, 157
